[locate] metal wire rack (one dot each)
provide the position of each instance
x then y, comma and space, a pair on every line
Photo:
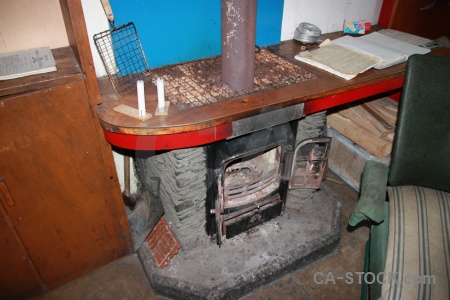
199, 83
123, 56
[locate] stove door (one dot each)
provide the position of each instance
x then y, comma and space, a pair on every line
309, 163
218, 212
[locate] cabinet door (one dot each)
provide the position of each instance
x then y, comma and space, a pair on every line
51, 157
18, 277
426, 18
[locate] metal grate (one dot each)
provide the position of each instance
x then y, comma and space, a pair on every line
199, 83
123, 57
250, 179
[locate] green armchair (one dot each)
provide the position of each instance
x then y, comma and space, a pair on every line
408, 202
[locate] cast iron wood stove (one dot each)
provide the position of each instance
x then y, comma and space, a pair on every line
227, 187
251, 173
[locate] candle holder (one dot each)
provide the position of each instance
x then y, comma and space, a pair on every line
164, 111
132, 112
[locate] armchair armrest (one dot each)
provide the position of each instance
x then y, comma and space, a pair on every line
373, 194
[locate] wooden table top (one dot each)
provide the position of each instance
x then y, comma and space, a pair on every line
325, 88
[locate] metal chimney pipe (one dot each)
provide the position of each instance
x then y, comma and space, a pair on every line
238, 43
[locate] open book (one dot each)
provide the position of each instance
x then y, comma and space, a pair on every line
348, 56
338, 60
391, 51
26, 62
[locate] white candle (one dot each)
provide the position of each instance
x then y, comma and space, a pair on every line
141, 98
161, 97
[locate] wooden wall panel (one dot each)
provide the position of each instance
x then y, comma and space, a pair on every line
52, 159
26, 24
419, 17
18, 276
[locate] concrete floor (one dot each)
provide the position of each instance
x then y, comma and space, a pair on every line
323, 279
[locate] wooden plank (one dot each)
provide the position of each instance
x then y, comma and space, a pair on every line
386, 111
409, 15
72, 11
388, 103
25, 280
385, 106
388, 118
73, 15
347, 159
363, 113
377, 116
132, 112
389, 137
358, 120
67, 215
362, 137
346, 163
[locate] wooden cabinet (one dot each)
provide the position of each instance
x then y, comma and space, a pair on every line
63, 214
61, 207
425, 18
18, 276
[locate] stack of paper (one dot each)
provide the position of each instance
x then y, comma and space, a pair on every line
348, 56
339, 60
26, 62
391, 51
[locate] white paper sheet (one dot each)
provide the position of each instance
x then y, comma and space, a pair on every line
26, 62
339, 60
391, 51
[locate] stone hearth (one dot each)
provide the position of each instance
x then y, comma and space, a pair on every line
307, 230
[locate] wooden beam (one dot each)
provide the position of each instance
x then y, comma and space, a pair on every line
360, 136
73, 15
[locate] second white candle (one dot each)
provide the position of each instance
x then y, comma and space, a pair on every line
141, 98
161, 97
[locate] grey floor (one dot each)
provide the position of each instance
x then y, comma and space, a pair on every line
323, 279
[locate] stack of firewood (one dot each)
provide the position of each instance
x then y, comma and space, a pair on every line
371, 124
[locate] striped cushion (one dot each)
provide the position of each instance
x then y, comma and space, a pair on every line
418, 244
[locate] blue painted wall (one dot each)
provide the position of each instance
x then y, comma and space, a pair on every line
174, 31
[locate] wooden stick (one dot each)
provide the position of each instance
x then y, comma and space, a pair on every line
108, 11
358, 120
374, 114
131, 112
388, 114
362, 137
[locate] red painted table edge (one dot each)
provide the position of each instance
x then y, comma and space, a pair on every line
224, 131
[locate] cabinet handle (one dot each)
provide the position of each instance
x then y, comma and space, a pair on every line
5, 194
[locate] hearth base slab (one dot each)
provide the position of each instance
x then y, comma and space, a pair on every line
255, 258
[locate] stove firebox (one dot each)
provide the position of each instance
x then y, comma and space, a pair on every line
248, 186
250, 176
